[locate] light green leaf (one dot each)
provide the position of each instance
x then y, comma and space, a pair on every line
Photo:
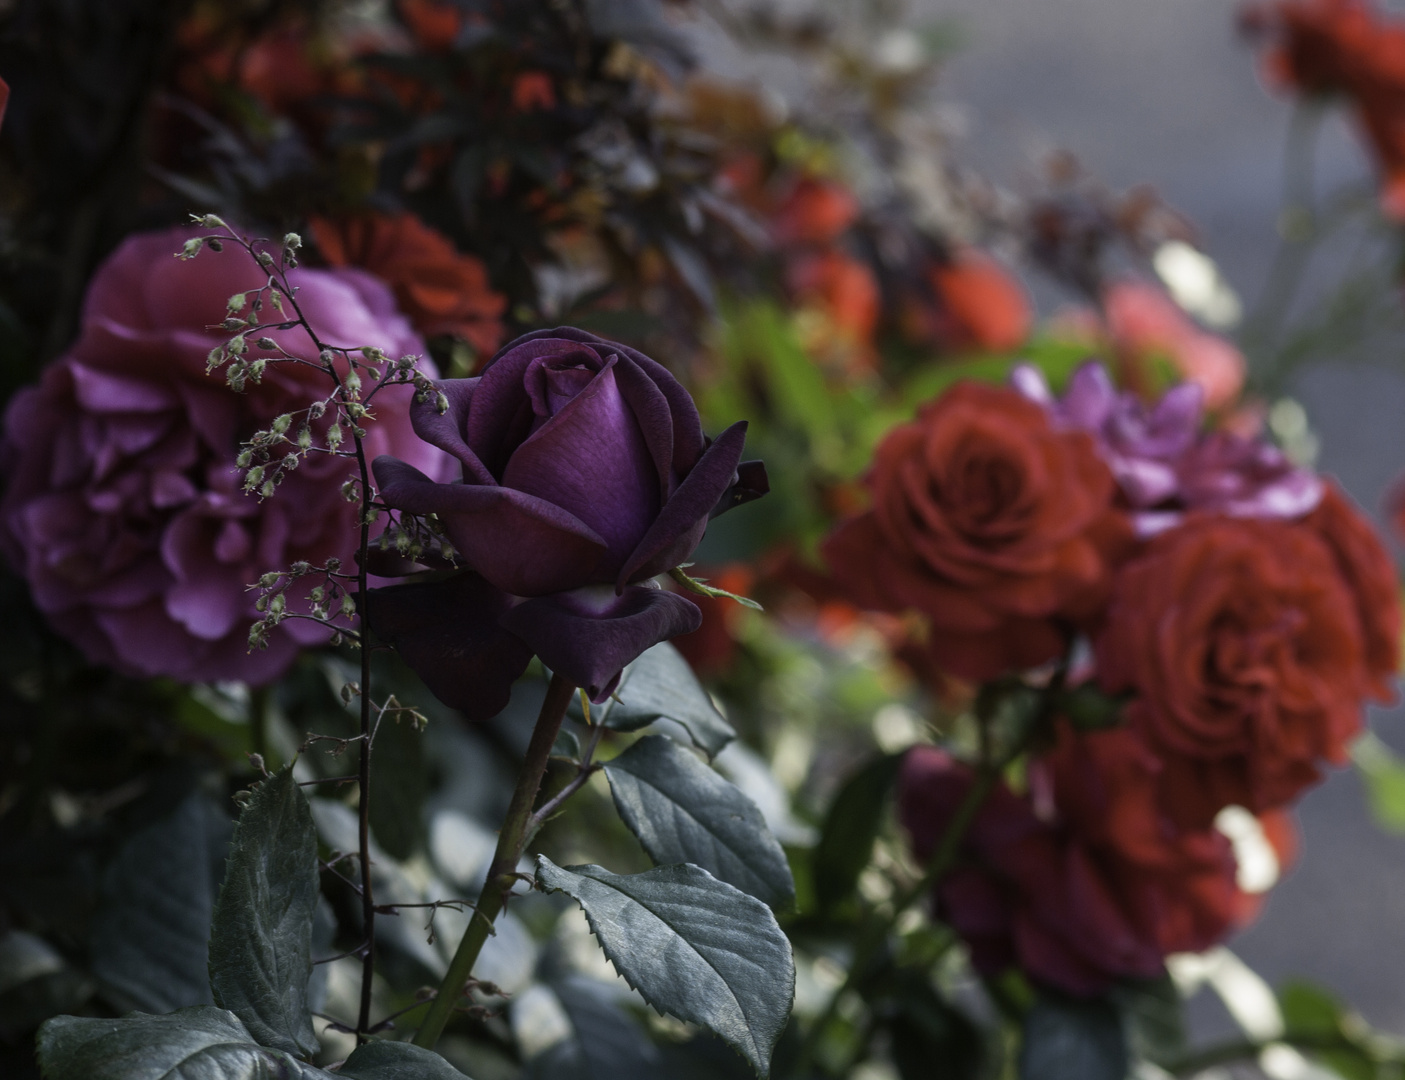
694, 947
682, 811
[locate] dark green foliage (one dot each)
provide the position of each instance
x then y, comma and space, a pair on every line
606, 1043
693, 946
853, 822
261, 938
151, 932
682, 811
661, 686
1069, 1039
200, 1043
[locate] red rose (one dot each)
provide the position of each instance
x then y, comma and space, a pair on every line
1247, 649
442, 290
1369, 573
1094, 889
990, 522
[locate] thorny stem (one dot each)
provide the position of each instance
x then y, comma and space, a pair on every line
502, 872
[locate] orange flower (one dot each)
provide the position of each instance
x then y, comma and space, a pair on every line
441, 290
843, 288
814, 212
435, 24
980, 306
533, 90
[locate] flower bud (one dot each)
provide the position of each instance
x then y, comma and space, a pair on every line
237, 303
282, 423
192, 248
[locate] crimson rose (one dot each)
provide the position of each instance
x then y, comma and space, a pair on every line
1251, 648
585, 474
989, 521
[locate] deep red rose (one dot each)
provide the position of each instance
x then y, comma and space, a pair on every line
1245, 645
990, 522
1369, 573
1092, 889
442, 290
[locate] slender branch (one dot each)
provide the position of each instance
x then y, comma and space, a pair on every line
502, 872
583, 774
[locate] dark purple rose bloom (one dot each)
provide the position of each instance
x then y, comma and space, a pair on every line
1163, 463
585, 474
123, 507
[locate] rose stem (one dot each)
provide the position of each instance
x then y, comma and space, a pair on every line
988, 774
502, 873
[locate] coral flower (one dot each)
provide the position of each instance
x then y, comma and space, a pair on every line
442, 290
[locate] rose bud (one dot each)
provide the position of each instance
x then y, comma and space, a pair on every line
585, 474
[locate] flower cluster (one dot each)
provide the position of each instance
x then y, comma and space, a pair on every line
1237, 612
126, 509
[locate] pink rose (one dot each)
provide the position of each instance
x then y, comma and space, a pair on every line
124, 509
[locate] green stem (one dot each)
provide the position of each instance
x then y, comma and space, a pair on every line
942, 860
502, 872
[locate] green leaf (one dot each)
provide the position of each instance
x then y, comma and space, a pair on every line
1067, 1039
930, 1039
682, 811
850, 827
261, 937
661, 686
694, 947
151, 932
1089, 709
1384, 773
200, 1043
398, 780
1153, 1018
381, 1059
605, 1043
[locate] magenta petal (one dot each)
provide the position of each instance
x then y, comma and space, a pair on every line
446, 430
587, 636
449, 633
680, 525
520, 543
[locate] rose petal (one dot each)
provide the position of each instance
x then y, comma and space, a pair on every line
446, 430
688, 440
681, 523
590, 459
589, 635
748, 485
520, 543
449, 633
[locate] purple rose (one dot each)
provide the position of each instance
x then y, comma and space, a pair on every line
585, 474
1163, 462
124, 509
